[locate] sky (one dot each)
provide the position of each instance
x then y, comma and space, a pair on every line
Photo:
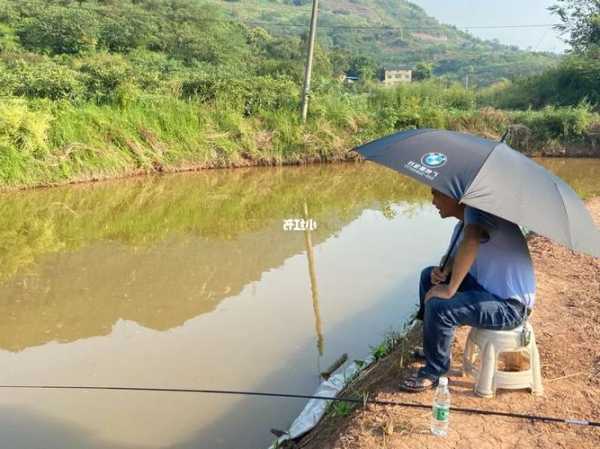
464, 13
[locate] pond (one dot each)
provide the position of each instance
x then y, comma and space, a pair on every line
195, 281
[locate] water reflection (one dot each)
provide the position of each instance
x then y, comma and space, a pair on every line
313, 284
583, 174
163, 251
190, 281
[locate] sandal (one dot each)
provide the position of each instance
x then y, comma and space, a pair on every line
417, 382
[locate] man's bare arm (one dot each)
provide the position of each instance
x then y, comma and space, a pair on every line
465, 255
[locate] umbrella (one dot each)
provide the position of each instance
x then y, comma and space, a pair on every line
490, 176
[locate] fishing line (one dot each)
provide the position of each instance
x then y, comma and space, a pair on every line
549, 419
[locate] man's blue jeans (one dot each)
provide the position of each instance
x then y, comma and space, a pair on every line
471, 305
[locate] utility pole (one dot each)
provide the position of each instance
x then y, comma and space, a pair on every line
467, 82
308, 68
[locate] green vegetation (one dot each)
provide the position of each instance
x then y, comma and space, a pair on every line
393, 33
575, 80
342, 408
96, 89
48, 142
392, 340
581, 22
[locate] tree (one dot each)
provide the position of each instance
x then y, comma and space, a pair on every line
363, 67
423, 71
126, 31
46, 79
340, 61
581, 21
60, 30
8, 13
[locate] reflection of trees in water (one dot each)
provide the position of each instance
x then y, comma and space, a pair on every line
162, 251
215, 204
83, 294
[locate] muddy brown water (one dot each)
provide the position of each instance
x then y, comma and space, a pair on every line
191, 281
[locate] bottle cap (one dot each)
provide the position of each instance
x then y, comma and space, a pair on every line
443, 381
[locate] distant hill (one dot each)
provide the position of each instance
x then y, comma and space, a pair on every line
200, 32
393, 32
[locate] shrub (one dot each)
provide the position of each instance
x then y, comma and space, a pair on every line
125, 32
104, 74
249, 95
45, 79
23, 129
60, 30
557, 123
8, 40
573, 81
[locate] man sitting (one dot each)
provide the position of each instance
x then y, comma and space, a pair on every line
488, 282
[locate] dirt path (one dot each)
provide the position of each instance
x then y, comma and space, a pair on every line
567, 327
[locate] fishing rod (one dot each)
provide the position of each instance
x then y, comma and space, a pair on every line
549, 419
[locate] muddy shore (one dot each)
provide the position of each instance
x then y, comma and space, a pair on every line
566, 322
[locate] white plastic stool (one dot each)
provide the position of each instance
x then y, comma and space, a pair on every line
490, 344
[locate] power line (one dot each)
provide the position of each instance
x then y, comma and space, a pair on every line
440, 27
540, 25
391, 28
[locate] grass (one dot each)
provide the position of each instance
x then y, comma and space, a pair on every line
342, 408
44, 142
359, 386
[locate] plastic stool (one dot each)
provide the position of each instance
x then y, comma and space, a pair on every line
490, 344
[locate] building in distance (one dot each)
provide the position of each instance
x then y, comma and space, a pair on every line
396, 75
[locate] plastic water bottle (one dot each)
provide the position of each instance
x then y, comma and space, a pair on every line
441, 409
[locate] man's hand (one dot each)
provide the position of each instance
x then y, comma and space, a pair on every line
439, 291
438, 276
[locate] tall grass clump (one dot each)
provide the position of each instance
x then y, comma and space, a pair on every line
566, 123
23, 142
45, 141
426, 104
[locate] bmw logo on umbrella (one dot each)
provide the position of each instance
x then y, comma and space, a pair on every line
434, 160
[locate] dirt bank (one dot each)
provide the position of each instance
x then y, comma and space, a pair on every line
567, 326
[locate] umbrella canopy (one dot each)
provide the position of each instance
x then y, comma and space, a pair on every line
492, 177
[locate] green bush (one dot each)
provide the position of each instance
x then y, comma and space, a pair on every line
104, 74
60, 30
23, 129
247, 94
557, 123
45, 79
130, 30
8, 39
7, 12
219, 42
573, 81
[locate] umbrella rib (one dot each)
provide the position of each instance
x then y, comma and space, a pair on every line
562, 200
476, 177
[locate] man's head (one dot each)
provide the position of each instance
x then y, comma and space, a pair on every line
447, 206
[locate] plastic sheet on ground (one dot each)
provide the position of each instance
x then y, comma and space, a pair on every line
315, 408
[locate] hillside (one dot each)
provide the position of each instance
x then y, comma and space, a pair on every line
223, 33
95, 89
393, 32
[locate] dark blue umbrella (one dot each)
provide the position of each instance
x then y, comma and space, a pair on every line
492, 177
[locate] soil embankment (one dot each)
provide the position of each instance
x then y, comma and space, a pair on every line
567, 327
